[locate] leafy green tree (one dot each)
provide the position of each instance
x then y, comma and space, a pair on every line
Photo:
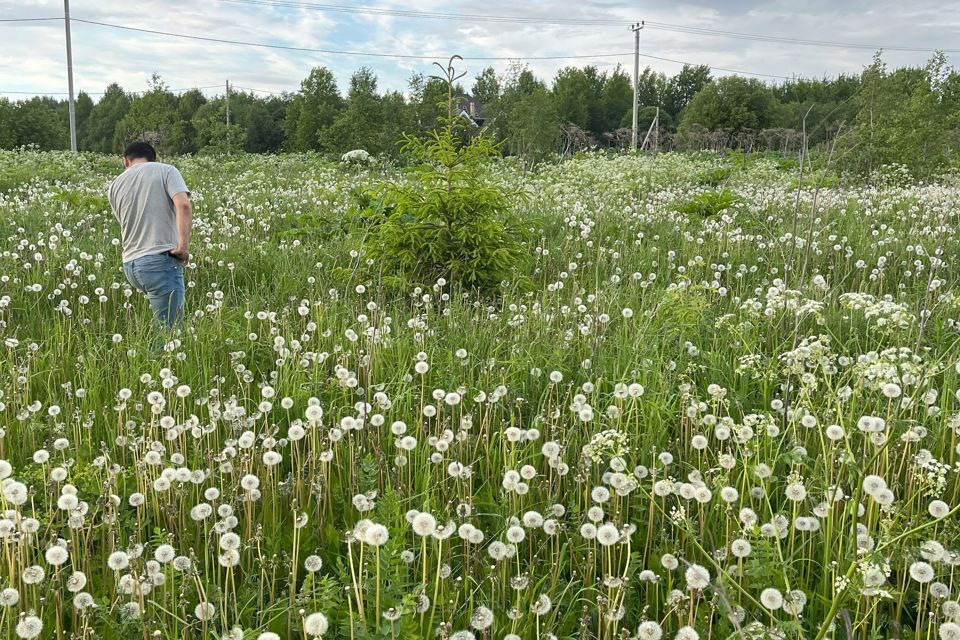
596, 120
152, 117
486, 88
359, 125
183, 136
8, 136
652, 87
43, 122
396, 120
425, 95
265, 125
531, 125
313, 110
101, 124
908, 116
256, 124
825, 103
213, 135
572, 96
682, 87
617, 100
645, 118
732, 102
83, 108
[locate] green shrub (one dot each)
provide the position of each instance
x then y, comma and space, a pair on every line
709, 203
454, 221
714, 177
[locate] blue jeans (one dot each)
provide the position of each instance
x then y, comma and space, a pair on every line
160, 278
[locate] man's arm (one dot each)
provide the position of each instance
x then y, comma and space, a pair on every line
184, 221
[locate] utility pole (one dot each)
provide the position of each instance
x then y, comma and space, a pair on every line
228, 116
73, 110
636, 28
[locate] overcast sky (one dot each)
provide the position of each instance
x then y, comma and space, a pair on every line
32, 55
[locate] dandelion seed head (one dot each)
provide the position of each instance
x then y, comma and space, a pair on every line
315, 625
922, 572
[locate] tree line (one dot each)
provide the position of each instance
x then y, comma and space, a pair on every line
906, 115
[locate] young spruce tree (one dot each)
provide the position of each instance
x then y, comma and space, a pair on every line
454, 221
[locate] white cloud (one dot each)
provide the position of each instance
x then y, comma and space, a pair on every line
103, 55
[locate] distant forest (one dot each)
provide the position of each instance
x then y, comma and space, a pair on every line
909, 116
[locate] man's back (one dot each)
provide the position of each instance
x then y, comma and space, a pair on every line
142, 200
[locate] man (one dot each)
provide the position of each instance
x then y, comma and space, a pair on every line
152, 203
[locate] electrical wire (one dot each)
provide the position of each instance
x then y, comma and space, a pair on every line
276, 93
419, 57
664, 26
96, 93
405, 13
8, 20
339, 51
431, 15
736, 71
543, 20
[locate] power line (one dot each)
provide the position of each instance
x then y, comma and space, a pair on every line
276, 93
99, 93
431, 15
396, 55
29, 19
418, 57
341, 52
712, 67
280, 93
663, 26
472, 17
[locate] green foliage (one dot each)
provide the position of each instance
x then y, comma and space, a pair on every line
709, 203
151, 117
40, 122
617, 98
104, 118
528, 123
683, 87
715, 176
486, 87
454, 222
313, 110
8, 138
571, 96
909, 116
732, 103
357, 126
906, 116
682, 308
93, 203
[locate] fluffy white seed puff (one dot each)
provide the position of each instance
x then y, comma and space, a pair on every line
29, 627
697, 577
771, 598
315, 625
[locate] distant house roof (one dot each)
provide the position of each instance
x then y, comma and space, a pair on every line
471, 109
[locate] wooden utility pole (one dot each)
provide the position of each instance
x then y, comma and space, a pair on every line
636, 28
72, 104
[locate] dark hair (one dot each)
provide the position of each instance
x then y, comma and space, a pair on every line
144, 150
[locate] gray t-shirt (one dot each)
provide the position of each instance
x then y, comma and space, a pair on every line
142, 200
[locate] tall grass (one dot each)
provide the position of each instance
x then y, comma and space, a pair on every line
660, 438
